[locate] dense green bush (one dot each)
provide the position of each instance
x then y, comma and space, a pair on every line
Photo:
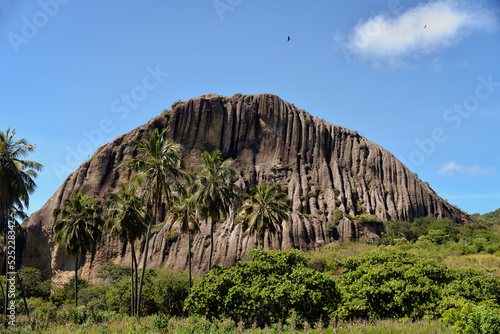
265, 290
390, 284
473, 319
475, 286
33, 283
66, 294
164, 291
113, 272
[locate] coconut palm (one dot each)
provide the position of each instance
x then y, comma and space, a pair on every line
78, 231
163, 169
16, 180
184, 214
127, 221
264, 210
16, 174
215, 191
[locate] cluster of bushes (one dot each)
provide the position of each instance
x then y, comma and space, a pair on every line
469, 238
343, 282
272, 287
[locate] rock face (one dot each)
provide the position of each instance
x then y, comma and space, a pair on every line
325, 169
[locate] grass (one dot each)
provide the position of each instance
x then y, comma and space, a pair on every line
196, 325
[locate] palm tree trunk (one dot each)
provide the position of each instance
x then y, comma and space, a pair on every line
211, 244
132, 286
189, 262
144, 262
136, 282
76, 281
6, 222
24, 294
133, 295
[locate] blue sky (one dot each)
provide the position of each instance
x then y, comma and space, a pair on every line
420, 78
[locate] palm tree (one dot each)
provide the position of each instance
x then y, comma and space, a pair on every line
215, 191
16, 175
78, 231
16, 180
264, 210
184, 213
160, 164
127, 221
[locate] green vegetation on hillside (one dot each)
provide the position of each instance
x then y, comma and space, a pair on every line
491, 217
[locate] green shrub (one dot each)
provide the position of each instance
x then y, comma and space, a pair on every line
390, 284
161, 323
313, 193
113, 271
66, 295
337, 216
169, 289
472, 319
369, 219
307, 120
34, 285
45, 312
265, 290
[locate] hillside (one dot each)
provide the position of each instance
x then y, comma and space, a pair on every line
492, 217
321, 166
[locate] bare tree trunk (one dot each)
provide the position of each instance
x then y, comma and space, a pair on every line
24, 294
144, 262
132, 284
211, 244
76, 281
6, 222
136, 282
189, 259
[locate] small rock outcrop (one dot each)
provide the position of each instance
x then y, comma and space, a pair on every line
330, 174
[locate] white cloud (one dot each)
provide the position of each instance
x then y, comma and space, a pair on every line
451, 167
421, 30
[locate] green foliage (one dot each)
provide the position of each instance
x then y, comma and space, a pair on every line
472, 319
475, 286
33, 283
492, 217
313, 193
439, 231
164, 292
390, 284
66, 294
113, 272
264, 210
265, 290
307, 119
337, 216
368, 219
238, 95
168, 290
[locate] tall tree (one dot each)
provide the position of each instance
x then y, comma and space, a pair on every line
215, 191
16, 180
127, 221
16, 174
264, 210
77, 232
184, 214
160, 164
